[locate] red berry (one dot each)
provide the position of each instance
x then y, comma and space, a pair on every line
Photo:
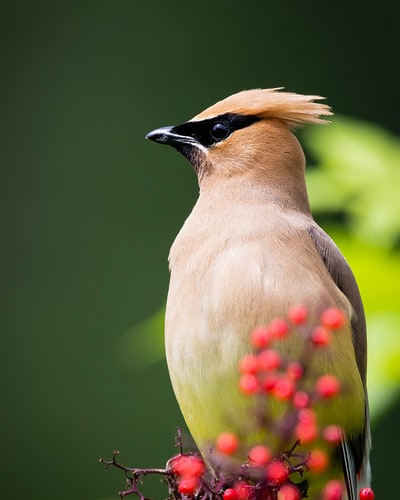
268, 360
278, 328
332, 434
227, 443
243, 490
307, 416
188, 465
333, 490
301, 399
320, 336
248, 364
260, 455
289, 492
268, 382
188, 485
298, 314
230, 494
306, 432
248, 383
174, 464
277, 473
327, 386
197, 466
367, 494
283, 388
333, 318
295, 370
307, 429
260, 337
318, 461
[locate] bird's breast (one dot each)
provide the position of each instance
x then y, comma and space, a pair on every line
229, 275
239, 269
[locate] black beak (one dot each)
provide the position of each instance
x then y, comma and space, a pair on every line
167, 135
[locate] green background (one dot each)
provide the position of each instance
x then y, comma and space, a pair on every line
89, 208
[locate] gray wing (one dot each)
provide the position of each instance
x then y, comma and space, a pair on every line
355, 451
342, 275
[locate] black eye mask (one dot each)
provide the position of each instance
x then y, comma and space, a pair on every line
213, 130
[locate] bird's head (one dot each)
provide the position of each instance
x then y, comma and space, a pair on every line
248, 134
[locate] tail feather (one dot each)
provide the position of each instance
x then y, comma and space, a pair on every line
349, 470
357, 469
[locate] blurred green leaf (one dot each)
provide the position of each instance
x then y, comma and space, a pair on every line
358, 173
142, 345
384, 360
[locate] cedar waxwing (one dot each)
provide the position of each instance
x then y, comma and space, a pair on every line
249, 251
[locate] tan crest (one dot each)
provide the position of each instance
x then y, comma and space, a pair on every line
292, 109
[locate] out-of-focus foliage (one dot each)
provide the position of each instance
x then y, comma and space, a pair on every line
142, 345
354, 193
358, 179
359, 175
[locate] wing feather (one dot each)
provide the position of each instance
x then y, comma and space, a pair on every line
355, 449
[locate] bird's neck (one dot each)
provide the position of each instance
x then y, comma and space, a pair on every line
243, 190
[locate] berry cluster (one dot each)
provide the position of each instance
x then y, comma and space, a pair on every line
265, 374
303, 449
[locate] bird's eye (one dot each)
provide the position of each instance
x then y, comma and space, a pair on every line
220, 131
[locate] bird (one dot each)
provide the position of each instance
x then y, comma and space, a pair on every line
249, 250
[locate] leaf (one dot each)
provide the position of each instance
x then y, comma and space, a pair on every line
384, 360
358, 173
142, 345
